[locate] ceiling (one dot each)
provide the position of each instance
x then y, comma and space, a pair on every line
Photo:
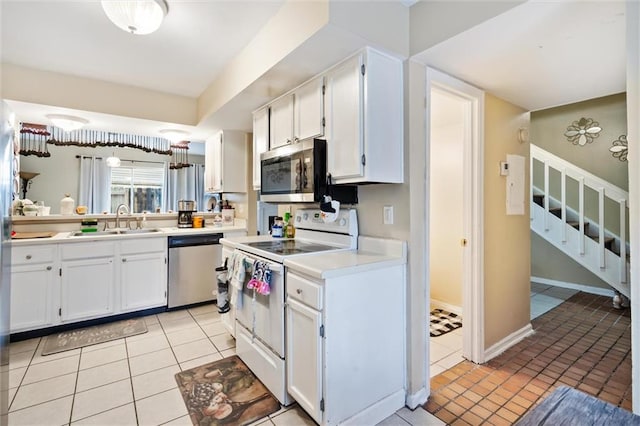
537, 55
542, 53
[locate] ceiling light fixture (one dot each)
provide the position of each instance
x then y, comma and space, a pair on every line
113, 161
136, 16
67, 123
174, 135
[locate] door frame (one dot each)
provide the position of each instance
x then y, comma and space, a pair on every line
473, 205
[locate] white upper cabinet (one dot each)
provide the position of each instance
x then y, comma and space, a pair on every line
308, 116
260, 141
281, 121
364, 119
226, 162
298, 115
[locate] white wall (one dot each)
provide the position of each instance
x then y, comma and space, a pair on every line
446, 203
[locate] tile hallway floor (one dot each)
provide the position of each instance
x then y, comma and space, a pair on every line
584, 343
446, 350
131, 381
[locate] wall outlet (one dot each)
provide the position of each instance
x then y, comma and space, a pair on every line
387, 215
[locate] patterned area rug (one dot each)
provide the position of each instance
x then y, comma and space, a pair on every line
225, 392
443, 322
93, 335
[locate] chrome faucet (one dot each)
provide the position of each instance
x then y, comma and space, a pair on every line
118, 212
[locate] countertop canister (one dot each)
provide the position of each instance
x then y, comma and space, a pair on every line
67, 205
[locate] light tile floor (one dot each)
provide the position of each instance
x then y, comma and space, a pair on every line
131, 381
546, 297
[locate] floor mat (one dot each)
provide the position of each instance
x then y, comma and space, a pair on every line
93, 335
443, 322
225, 392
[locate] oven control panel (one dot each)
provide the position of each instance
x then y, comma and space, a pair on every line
345, 223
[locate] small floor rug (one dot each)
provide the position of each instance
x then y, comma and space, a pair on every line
225, 392
443, 322
93, 335
568, 406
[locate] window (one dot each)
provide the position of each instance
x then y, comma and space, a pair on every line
139, 185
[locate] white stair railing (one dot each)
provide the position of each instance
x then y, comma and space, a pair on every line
611, 267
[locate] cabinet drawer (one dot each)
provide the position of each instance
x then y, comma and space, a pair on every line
308, 292
143, 245
87, 250
28, 255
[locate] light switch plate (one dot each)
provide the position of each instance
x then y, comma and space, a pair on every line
387, 215
504, 168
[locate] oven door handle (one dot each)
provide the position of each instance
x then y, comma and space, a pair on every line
275, 267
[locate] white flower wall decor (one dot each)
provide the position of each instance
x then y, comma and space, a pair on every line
583, 131
619, 148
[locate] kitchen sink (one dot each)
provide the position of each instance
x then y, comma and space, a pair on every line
138, 231
93, 234
114, 232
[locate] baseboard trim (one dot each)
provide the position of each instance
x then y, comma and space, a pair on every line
417, 398
446, 306
574, 286
507, 342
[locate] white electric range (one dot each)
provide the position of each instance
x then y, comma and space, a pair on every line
260, 319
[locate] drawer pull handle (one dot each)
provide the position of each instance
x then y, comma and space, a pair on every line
124, 259
28, 257
49, 268
299, 290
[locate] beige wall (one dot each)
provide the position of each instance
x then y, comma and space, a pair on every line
548, 128
506, 238
446, 204
85, 94
550, 263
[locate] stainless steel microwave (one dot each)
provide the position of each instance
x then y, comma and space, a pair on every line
294, 173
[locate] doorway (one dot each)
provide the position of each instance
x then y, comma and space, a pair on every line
455, 212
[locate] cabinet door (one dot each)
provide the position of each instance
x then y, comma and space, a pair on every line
281, 122
308, 117
304, 357
260, 141
143, 281
32, 301
345, 139
213, 164
87, 288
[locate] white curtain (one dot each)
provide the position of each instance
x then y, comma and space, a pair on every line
95, 184
185, 184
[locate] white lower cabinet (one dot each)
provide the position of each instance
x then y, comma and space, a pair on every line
304, 357
143, 274
53, 284
345, 360
87, 289
33, 285
32, 296
143, 281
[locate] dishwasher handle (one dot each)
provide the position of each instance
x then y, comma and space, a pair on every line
194, 240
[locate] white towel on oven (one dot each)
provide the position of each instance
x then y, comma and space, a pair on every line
237, 274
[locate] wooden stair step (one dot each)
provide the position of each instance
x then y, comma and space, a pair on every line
556, 211
576, 225
538, 199
608, 241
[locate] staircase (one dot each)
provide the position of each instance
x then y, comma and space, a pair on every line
584, 239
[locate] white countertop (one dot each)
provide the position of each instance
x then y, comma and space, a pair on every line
334, 264
372, 253
65, 237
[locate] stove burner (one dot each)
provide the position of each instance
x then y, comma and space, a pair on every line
287, 247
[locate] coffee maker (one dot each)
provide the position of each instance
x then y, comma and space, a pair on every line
185, 213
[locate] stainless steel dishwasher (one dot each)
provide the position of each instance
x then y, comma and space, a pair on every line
192, 263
